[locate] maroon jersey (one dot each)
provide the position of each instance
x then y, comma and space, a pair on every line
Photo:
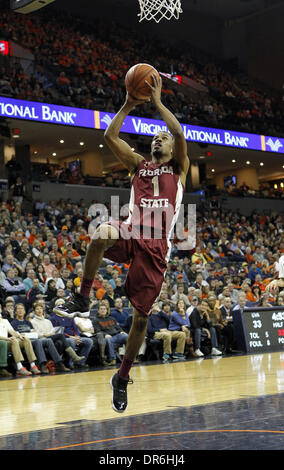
155, 199
144, 238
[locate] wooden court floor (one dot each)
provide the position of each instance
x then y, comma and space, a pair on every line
231, 402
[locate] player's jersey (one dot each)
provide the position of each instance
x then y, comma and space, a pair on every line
155, 199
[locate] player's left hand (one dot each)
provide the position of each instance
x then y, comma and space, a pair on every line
132, 101
156, 89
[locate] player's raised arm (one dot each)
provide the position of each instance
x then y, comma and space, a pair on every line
180, 147
119, 147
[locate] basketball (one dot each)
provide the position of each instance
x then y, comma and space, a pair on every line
135, 80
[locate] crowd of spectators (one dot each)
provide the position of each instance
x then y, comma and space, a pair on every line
41, 265
83, 65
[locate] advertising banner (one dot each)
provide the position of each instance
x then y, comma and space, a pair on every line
77, 117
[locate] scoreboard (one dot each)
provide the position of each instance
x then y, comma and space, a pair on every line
260, 329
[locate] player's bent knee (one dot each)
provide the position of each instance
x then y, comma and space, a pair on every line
106, 235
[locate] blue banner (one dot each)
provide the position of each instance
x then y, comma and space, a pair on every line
77, 117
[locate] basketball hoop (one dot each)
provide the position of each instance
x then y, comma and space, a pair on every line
159, 9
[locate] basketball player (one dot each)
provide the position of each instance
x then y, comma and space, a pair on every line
157, 185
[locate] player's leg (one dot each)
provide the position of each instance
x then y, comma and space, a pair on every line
119, 380
105, 237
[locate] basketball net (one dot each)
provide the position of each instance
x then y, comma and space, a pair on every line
159, 9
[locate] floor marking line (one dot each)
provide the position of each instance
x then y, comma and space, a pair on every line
166, 434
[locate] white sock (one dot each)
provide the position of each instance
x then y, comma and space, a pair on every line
32, 364
19, 365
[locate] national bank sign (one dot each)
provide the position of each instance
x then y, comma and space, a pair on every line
77, 117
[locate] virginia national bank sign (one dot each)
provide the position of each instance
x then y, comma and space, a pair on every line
77, 117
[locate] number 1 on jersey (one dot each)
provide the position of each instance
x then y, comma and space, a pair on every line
155, 182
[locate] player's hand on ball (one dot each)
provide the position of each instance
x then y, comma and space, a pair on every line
156, 89
132, 101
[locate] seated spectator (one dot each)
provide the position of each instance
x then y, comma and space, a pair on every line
109, 295
12, 287
28, 281
4, 359
16, 342
9, 309
59, 284
101, 291
86, 328
119, 290
264, 301
179, 321
73, 338
40, 274
35, 293
241, 304
180, 280
254, 295
48, 266
201, 325
51, 290
224, 328
157, 328
25, 328
45, 329
121, 315
164, 297
191, 271
11, 263
180, 295
113, 334
193, 304
198, 257
199, 282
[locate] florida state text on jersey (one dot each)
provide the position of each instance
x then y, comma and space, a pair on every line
155, 199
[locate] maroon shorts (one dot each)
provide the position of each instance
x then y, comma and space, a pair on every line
148, 265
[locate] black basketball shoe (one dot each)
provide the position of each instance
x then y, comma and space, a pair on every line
119, 393
78, 305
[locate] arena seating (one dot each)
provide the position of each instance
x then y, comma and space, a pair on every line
76, 66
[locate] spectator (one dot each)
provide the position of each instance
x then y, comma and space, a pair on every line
202, 326
9, 309
113, 334
86, 328
13, 287
35, 293
109, 295
4, 359
28, 281
179, 321
25, 328
224, 328
180, 295
193, 304
16, 342
59, 284
45, 329
48, 266
74, 339
51, 290
121, 315
158, 329
119, 290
